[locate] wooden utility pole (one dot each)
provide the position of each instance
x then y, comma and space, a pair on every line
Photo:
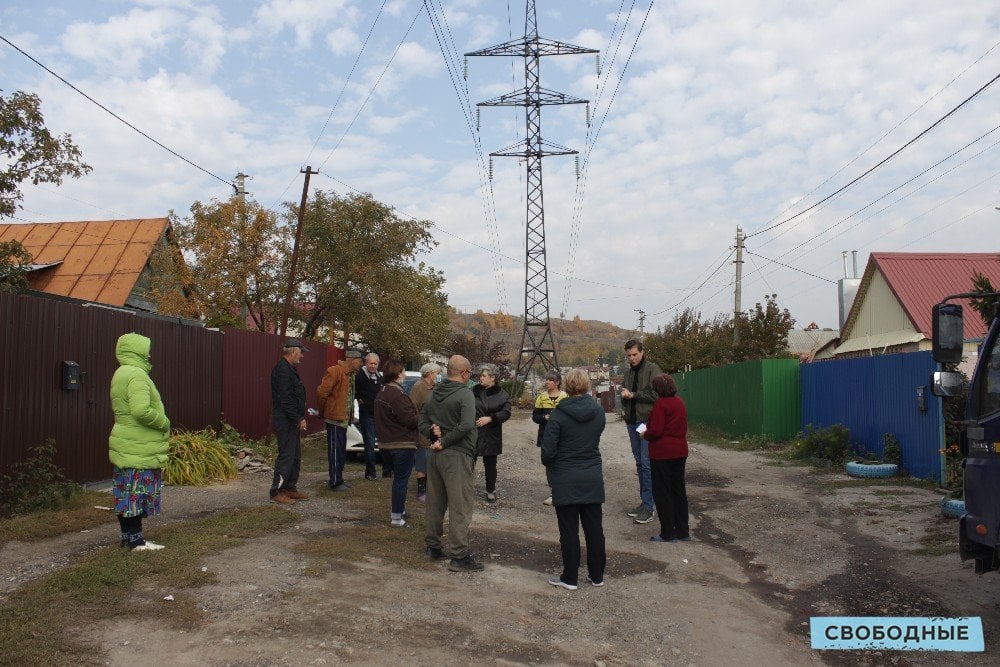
738, 296
308, 171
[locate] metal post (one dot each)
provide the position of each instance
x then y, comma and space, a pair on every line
738, 296
308, 171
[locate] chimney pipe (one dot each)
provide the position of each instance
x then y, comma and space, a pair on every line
844, 253
854, 254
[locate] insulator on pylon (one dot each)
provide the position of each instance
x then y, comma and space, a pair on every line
466, 69
478, 109
577, 159
491, 169
597, 62
587, 112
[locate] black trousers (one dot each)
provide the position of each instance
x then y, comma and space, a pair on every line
570, 517
670, 496
289, 460
490, 464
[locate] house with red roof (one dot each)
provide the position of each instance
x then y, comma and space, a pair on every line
104, 261
892, 310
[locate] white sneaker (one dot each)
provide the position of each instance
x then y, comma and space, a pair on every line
595, 583
562, 584
491, 497
547, 501
148, 546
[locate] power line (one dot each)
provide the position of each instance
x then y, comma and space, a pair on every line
695, 290
116, 116
787, 266
881, 162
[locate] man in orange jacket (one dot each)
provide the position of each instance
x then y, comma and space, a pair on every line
335, 398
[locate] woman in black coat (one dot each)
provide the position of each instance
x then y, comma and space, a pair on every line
492, 410
572, 459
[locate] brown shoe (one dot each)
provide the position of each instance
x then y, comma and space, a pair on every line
283, 498
296, 495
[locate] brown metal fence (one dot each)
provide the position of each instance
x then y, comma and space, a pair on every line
247, 360
38, 333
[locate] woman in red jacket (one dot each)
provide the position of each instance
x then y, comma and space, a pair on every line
666, 431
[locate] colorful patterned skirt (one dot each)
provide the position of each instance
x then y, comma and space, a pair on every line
137, 491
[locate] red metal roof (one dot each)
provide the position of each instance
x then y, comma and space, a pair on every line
94, 261
920, 280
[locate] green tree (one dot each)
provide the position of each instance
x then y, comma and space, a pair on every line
764, 331
30, 151
358, 269
688, 340
482, 343
14, 263
236, 253
985, 306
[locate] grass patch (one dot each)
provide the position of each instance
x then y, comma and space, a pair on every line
45, 623
710, 435
313, 453
911, 482
369, 535
75, 514
940, 538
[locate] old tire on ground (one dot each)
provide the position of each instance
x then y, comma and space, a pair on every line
872, 470
952, 508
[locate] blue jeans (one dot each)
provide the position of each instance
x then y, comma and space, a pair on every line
366, 424
640, 451
336, 452
420, 460
402, 465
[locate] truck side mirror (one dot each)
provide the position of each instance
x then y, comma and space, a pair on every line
946, 383
947, 333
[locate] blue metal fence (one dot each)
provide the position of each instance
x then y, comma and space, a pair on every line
877, 395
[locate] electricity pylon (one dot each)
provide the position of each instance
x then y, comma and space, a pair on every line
537, 341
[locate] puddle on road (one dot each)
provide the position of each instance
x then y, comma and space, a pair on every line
517, 550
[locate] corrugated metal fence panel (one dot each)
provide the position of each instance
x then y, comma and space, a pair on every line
247, 360
877, 395
39, 333
750, 398
780, 382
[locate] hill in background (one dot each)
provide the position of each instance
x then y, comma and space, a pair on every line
578, 342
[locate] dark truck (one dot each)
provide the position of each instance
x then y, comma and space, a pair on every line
979, 527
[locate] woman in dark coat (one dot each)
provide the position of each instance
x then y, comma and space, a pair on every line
492, 410
666, 431
396, 421
572, 459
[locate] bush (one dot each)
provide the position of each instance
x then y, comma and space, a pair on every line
831, 443
36, 483
198, 458
891, 450
266, 449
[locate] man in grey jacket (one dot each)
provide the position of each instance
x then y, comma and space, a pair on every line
637, 402
448, 420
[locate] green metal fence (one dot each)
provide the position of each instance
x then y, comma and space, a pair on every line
751, 398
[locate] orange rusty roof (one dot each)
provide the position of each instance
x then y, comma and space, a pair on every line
94, 261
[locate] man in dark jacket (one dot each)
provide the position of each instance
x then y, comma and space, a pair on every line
448, 420
637, 402
288, 417
366, 386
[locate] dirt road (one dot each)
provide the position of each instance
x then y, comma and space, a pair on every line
773, 545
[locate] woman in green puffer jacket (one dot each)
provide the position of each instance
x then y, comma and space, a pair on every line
139, 442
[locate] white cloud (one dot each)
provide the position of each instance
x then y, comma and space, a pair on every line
121, 44
303, 17
343, 41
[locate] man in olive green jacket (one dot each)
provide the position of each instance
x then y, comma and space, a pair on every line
637, 402
449, 421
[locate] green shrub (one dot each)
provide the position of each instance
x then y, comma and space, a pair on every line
891, 451
265, 449
198, 458
36, 483
830, 443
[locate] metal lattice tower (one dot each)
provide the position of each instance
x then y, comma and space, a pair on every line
537, 342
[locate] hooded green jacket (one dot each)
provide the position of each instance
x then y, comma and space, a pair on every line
571, 452
452, 407
140, 437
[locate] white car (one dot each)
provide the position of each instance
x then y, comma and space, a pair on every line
356, 443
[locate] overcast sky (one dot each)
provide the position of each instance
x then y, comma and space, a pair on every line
728, 113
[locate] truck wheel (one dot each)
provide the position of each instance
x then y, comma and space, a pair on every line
952, 508
871, 470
